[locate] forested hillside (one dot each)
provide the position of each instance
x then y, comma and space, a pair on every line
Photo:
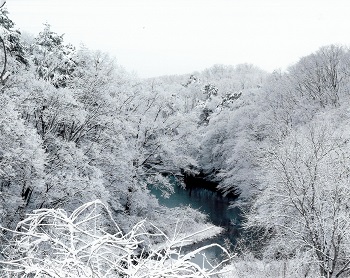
285, 149
75, 127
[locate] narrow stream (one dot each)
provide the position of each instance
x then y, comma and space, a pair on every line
216, 207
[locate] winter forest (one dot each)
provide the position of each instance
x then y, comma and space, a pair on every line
83, 143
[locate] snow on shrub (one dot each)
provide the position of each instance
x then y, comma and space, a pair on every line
88, 243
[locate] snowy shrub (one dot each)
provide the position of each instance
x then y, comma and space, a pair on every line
88, 243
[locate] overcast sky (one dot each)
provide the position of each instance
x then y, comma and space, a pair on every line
158, 37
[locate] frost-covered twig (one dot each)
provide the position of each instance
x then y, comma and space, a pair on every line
50, 243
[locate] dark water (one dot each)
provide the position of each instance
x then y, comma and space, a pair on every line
216, 207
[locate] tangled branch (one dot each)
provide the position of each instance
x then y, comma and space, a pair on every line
88, 243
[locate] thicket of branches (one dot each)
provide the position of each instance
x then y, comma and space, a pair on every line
88, 243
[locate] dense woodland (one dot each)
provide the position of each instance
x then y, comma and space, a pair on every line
76, 127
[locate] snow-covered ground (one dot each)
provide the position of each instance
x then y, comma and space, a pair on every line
205, 231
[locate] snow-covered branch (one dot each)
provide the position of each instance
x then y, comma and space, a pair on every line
88, 243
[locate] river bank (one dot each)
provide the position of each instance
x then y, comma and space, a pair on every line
225, 221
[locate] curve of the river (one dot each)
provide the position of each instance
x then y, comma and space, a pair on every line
216, 206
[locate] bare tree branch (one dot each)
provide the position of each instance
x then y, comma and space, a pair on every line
3, 4
3, 75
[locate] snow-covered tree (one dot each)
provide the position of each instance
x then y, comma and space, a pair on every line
53, 60
11, 37
22, 163
323, 77
304, 200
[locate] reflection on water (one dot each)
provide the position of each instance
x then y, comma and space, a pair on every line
216, 207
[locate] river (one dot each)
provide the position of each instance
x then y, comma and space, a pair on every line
216, 207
